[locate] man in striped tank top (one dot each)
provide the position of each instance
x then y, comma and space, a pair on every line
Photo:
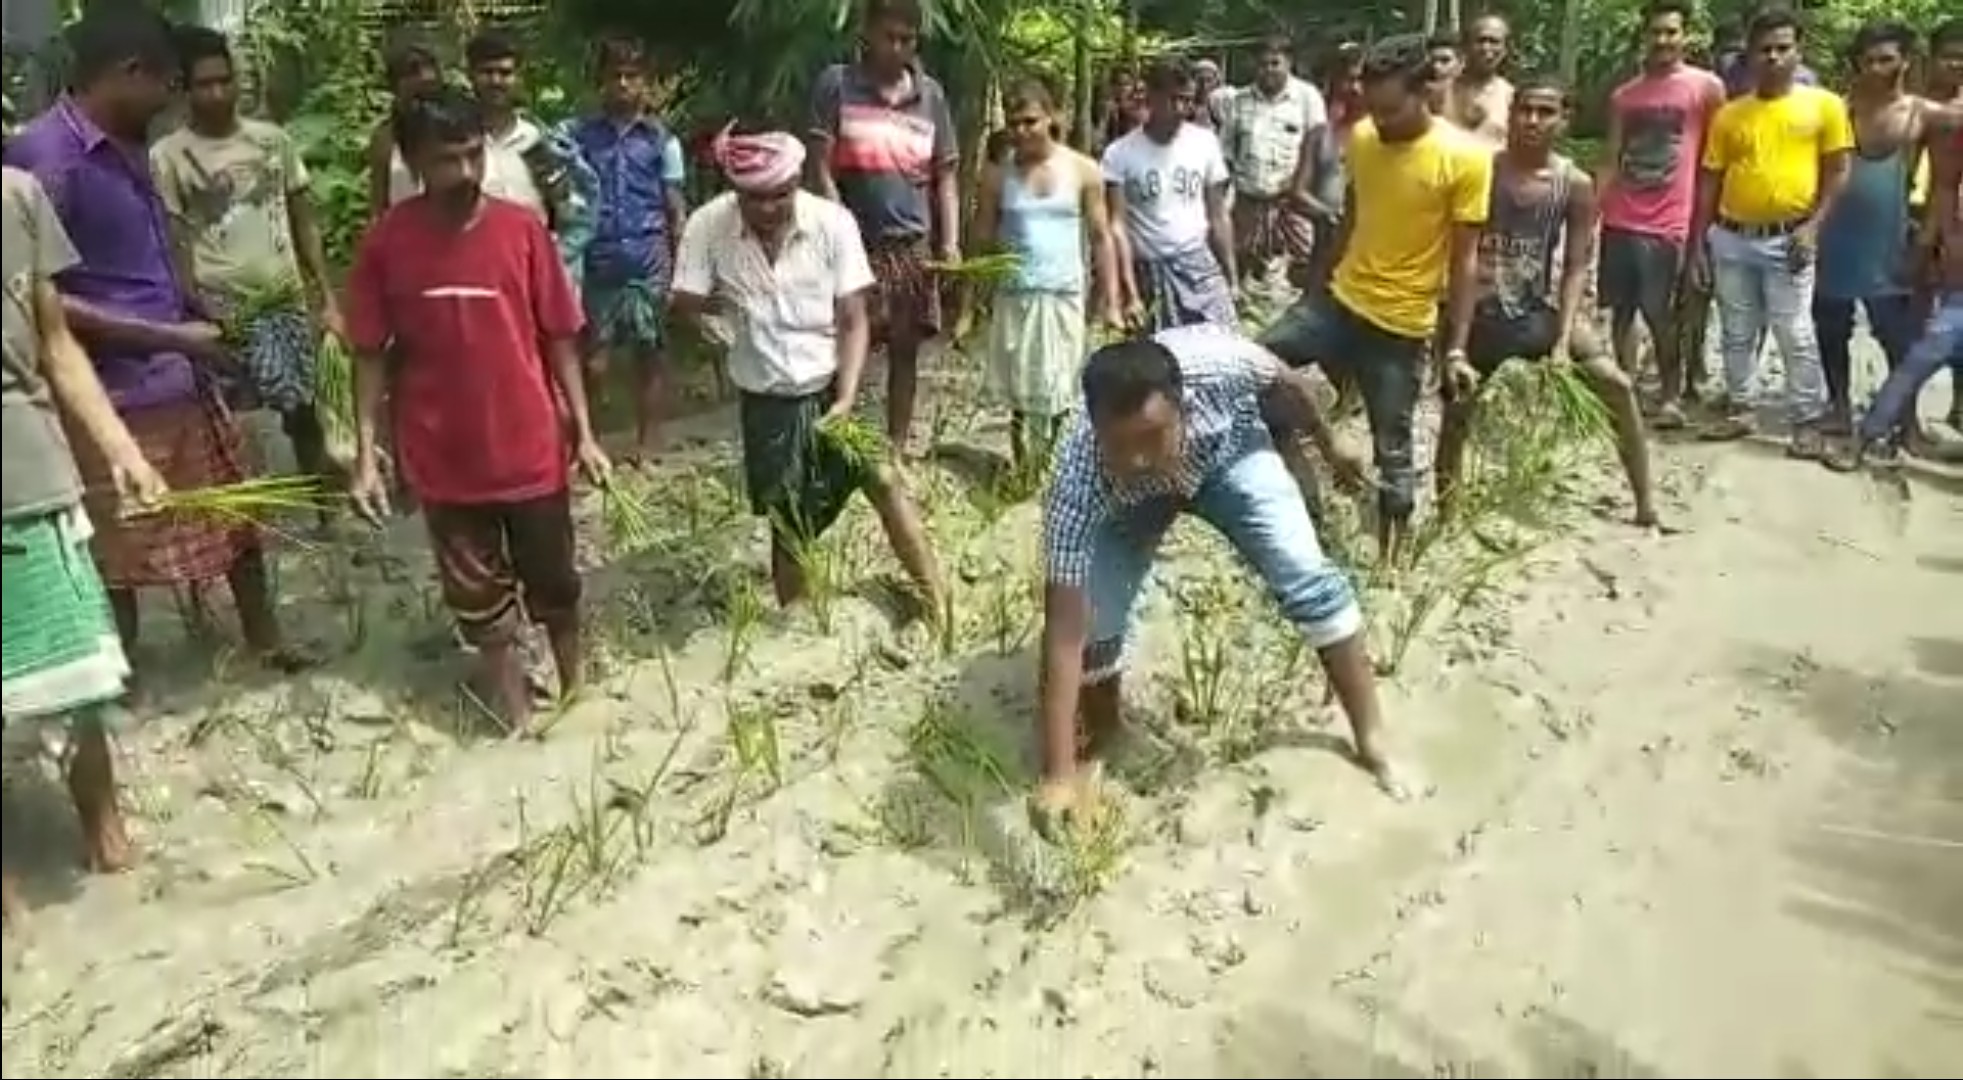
1543, 206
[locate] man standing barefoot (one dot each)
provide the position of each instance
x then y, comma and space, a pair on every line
1542, 205
1864, 243
1657, 122
237, 192
794, 276
468, 295
1174, 424
637, 220
1166, 184
1418, 197
63, 658
155, 355
1940, 345
884, 145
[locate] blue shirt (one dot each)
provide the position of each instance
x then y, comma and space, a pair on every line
634, 164
1223, 376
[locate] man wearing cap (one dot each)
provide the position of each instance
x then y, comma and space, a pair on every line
789, 271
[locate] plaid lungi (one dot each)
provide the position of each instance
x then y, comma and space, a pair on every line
905, 290
1267, 229
61, 648
192, 444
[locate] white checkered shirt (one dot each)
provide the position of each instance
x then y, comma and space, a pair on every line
1223, 376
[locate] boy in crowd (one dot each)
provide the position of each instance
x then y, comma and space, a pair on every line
637, 219
236, 190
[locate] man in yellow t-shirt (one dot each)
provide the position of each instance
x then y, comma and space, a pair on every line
1775, 161
1417, 201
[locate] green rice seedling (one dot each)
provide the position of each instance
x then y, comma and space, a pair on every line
857, 440
334, 397
1094, 844
841, 718
255, 302
746, 614
370, 783
469, 904
956, 760
249, 500
1007, 614
298, 869
1213, 689
629, 524
947, 620
754, 741
817, 565
596, 830
545, 880
985, 269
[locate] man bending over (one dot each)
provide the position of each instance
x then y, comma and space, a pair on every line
1174, 424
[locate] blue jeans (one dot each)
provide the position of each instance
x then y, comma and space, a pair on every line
1256, 505
1758, 292
1940, 346
1389, 374
1891, 319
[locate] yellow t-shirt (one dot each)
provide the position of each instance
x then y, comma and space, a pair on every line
1769, 151
1409, 196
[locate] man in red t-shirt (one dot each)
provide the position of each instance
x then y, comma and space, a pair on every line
467, 295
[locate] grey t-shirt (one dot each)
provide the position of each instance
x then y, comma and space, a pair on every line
37, 472
1520, 247
884, 154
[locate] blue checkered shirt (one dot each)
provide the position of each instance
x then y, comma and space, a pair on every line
1224, 376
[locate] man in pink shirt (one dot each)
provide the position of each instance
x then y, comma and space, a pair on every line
1657, 122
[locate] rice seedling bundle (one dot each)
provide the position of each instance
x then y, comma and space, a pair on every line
859, 442
249, 501
628, 521
983, 268
255, 302
334, 397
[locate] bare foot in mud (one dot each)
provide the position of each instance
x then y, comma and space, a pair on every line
1652, 522
1392, 779
108, 849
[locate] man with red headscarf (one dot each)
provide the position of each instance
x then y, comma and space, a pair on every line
790, 274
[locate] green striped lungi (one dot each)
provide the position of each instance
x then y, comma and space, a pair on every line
61, 652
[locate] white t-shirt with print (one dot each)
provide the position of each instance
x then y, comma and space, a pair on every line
1165, 186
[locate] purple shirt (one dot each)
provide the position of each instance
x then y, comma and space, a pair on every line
104, 194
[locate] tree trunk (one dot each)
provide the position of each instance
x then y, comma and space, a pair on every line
1083, 77
1569, 62
1431, 17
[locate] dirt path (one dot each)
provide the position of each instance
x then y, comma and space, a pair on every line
1698, 812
